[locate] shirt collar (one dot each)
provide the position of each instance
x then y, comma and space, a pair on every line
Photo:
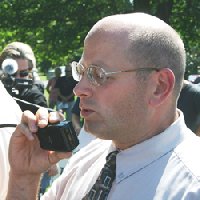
145, 153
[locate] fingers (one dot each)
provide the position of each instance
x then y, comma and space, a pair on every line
27, 125
30, 119
42, 117
22, 129
55, 117
30, 122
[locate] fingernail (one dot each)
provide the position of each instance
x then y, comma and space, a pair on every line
42, 122
53, 116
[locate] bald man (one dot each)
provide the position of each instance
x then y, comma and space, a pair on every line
130, 76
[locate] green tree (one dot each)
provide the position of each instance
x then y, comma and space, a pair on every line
184, 16
56, 29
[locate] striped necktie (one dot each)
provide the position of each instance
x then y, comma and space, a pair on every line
101, 188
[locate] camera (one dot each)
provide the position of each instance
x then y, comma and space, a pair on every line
12, 84
59, 137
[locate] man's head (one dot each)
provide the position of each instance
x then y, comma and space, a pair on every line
144, 40
127, 106
23, 55
57, 72
68, 70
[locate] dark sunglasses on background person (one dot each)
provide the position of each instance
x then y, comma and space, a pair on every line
22, 73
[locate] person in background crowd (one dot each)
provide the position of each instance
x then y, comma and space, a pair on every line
10, 114
36, 79
51, 88
76, 118
189, 104
47, 178
84, 137
22, 55
130, 77
65, 86
197, 80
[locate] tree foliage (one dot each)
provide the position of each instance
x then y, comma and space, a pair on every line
56, 29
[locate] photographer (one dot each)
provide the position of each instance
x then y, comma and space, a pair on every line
16, 61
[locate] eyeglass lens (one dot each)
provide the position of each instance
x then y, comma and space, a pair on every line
96, 75
77, 71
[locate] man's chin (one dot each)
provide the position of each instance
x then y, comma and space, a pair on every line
96, 129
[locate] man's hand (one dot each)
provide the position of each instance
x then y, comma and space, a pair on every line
27, 159
53, 170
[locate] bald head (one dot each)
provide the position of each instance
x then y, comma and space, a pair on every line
144, 40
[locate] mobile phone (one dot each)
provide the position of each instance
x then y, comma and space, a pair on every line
59, 137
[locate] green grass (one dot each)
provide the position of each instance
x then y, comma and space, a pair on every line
43, 77
46, 94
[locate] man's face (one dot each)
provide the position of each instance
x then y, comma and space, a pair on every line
68, 71
22, 71
116, 109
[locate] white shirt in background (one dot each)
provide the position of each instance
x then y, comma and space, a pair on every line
10, 113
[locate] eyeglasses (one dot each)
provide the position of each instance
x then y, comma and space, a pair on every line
97, 75
22, 73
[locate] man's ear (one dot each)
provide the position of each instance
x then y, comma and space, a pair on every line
164, 84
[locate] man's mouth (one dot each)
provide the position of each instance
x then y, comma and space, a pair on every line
86, 112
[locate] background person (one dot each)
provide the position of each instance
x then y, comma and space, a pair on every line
197, 80
47, 178
10, 114
76, 118
23, 55
36, 79
65, 86
84, 137
130, 76
189, 104
53, 93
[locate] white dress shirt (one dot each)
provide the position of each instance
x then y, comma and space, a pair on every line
10, 113
164, 167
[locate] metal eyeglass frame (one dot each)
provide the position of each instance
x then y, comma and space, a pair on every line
78, 71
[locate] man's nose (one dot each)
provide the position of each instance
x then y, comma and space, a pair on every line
83, 88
